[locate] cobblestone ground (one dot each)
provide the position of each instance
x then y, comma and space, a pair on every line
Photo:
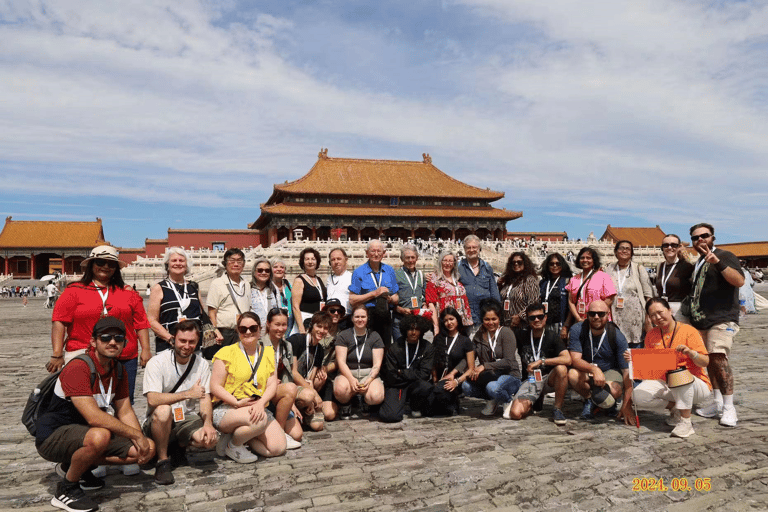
460, 463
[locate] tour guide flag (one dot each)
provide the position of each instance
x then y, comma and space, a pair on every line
653, 363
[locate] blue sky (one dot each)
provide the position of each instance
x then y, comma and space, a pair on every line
183, 114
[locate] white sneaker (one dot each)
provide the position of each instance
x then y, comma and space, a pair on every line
221, 444
490, 408
291, 443
506, 410
131, 469
729, 418
240, 454
684, 428
100, 471
674, 417
710, 411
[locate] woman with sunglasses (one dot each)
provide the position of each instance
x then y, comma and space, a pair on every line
445, 290
309, 293
590, 285
673, 275
359, 356
555, 276
633, 287
454, 362
282, 289
243, 382
173, 299
262, 295
519, 288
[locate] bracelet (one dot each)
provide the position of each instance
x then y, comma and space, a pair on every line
57, 357
720, 266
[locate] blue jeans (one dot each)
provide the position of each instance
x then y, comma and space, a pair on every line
131, 367
502, 389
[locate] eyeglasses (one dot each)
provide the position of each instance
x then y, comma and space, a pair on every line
236, 261
253, 329
106, 338
262, 271
624, 248
554, 263
593, 314
517, 263
667, 246
335, 311
703, 236
532, 318
105, 263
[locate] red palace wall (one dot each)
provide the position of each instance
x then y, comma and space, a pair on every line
200, 239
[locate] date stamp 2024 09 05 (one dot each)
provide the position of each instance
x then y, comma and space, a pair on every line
646, 484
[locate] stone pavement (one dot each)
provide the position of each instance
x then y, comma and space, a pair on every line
459, 463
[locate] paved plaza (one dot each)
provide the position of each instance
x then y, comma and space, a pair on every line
458, 463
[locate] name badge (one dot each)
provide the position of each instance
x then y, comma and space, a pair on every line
537, 375
414, 302
546, 307
322, 305
619, 302
506, 305
178, 412
581, 308
180, 318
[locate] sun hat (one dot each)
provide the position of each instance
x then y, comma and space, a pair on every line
103, 252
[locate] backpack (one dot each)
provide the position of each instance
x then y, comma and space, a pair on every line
40, 398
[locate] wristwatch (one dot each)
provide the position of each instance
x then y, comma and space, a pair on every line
543, 361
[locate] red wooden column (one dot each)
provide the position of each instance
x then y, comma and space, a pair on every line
32, 266
7, 268
314, 233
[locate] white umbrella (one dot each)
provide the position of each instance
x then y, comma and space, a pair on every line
49, 277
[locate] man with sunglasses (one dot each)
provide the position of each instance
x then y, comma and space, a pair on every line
546, 359
714, 311
89, 423
597, 349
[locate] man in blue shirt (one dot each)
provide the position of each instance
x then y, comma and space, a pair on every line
477, 278
375, 285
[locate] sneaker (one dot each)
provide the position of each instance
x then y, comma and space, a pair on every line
69, 496
88, 481
558, 417
178, 456
505, 411
729, 418
131, 469
588, 412
163, 473
683, 429
291, 443
346, 411
416, 414
710, 411
240, 454
674, 417
222, 443
100, 471
490, 408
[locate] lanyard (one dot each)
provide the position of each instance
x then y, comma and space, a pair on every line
240, 286
184, 299
537, 353
262, 296
550, 288
407, 353
106, 396
674, 331
699, 264
104, 302
309, 366
665, 276
373, 277
450, 347
583, 288
283, 299
415, 282
359, 353
592, 344
621, 281
493, 343
247, 358
317, 286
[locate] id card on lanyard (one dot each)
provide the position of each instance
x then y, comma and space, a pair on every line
359, 352
414, 284
104, 398
493, 343
104, 295
665, 277
581, 295
621, 282
548, 293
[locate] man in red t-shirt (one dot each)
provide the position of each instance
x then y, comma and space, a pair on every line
87, 425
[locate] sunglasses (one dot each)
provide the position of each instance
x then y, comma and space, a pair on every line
516, 263
106, 338
262, 271
554, 263
667, 246
593, 314
531, 318
105, 263
253, 329
703, 236
335, 311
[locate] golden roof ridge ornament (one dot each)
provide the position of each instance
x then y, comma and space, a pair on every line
323, 154
427, 158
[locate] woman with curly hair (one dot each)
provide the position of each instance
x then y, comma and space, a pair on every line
555, 276
519, 288
591, 285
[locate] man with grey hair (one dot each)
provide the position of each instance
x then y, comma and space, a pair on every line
412, 287
478, 279
375, 285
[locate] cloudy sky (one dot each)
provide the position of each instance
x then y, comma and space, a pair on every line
183, 114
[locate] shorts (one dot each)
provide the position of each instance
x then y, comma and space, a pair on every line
531, 391
719, 338
66, 440
182, 431
221, 410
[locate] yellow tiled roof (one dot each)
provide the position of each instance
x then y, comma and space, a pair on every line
638, 236
53, 234
746, 249
385, 211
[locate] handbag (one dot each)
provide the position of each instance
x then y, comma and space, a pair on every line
679, 377
207, 331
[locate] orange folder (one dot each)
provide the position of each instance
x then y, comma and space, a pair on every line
653, 363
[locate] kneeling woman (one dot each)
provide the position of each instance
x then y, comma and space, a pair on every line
243, 382
691, 353
454, 362
359, 356
498, 376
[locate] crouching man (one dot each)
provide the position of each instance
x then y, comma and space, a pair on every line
90, 420
174, 381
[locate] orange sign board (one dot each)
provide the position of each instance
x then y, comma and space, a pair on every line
653, 363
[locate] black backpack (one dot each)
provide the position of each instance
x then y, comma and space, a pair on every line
40, 398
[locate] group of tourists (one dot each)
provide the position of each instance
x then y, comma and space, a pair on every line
263, 359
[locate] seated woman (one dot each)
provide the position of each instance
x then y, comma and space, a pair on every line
691, 353
407, 368
454, 351
359, 356
498, 376
307, 370
243, 382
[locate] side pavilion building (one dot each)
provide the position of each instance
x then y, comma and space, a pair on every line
356, 199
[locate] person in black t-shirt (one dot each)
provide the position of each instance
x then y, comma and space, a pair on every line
544, 357
307, 370
453, 350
